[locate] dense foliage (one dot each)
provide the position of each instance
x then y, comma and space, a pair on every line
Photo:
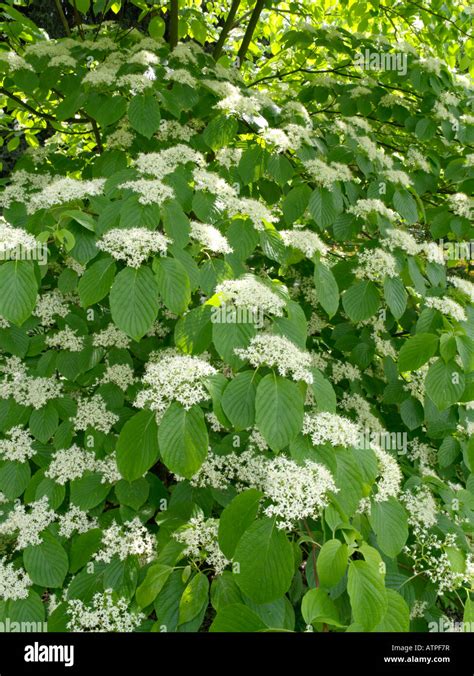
237, 324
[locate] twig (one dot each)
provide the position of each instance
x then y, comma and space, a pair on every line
63, 17
252, 25
226, 29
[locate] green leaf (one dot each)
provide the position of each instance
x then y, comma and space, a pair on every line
144, 114
324, 207
395, 295
416, 351
137, 445
154, 581
279, 410
193, 331
444, 383
389, 521
361, 301
47, 564
235, 617
397, 615
226, 337
95, 283
194, 597
220, 131
44, 422
332, 562
18, 291
265, 562
367, 594
238, 400
173, 284
326, 288
236, 518
323, 392
88, 491
156, 28
134, 301
183, 439
14, 478
406, 206
316, 606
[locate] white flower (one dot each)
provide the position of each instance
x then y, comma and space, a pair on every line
390, 476
93, 413
210, 237
15, 61
327, 174
14, 582
75, 520
111, 337
69, 464
461, 204
253, 294
28, 526
151, 191
200, 537
278, 138
172, 129
130, 539
104, 614
165, 162
398, 177
19, 447
400, 239
417, 160
464, 285
64, 190
14, 242
27, 390
447, 307
326, 427
364, 207
133, 245
49, 305
280, 353
376, 264
119, 374
67, 339
306, 241
258, 213
174, 377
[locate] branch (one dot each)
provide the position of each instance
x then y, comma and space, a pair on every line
63, 17
173, 26
439, 16
38, 113
78, 20
226, 29
252, 25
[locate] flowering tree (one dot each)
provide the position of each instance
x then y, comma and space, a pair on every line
237, 323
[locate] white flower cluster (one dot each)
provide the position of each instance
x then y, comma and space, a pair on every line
104, 614
130, 539
72, 463
344, 370
330, 428
19, 447
461, 204
327, 174
64, 190
25, 389
93, 413
172, 129
174, 377
14, 582
251, 293
463, 285
210, 237
280, 353
296, 492
390, 476
119, 374
75, 520
398, 177
67, 339
28, 526
200, 537
291, 491
14, 240
151, 191
355, 402
213, 183
228, 157
133, 245
417, 160
304, 240
277, 138
257, 212
166, 161
111, 337
447, 307
49, 305
376, 264
421, 507
363, 207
